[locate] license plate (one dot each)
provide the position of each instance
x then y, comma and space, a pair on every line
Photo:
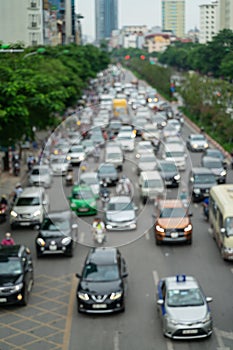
25, 223
99, 306
83, 209
168, 182
52, 247
3, 300
190, 331
174, 234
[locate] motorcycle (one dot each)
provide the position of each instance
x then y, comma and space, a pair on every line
16, 165
3, 212
206, 212
69, 178
99, 236
105, 196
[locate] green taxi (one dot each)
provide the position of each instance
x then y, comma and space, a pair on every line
82, 200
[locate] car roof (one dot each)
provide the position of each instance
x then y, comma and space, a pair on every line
148, 175
171, 203
120, 199
65, 215
102, 255
188, 282
174, 147
201, 170
32, 191
89, 174
15, 250
211, 159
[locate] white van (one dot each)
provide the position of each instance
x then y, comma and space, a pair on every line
151, 185
176, 153
115, 156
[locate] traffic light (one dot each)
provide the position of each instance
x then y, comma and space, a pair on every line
143, 57
127, 57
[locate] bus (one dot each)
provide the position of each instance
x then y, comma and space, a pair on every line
221, 218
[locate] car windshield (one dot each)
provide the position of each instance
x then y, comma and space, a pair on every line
120, 206
212, 164
100, 273
82, 195
106, 170
184, 297
124, 137
39, 171
114, 155
198, 138
204, 179
145, 158
215, 153
173, 213
229, 226
26, 201
89, 181
152, 183
168, 167
10, 266
58, 161
171, 154
55, 225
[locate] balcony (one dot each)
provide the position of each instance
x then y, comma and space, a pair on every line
33, 24
33, 4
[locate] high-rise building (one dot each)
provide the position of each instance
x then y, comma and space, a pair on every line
106, 15
173, 17
225, 18
208, 22
37, 22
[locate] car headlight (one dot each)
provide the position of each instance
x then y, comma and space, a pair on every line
14, 214
206, 145
172, 321
40, 242
17, 287
159, 228
83, 296
73, 205
223, 173
188, 228
138, 155
197, 190
115, 295
207, 318
68, 158
66, 240
149, 100
81, 157
177, 177
37, 213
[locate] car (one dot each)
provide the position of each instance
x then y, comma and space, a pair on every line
82, 200
56, 234
108, 172
29, 208
175, 139
89, 147
127, 140
172, 224
201, 180
175, 123
41, 175
169, 173
159, 120
169, 130
144, 147
175, 153
59, 165
90, 178
76, 154
120, 214
183, 308
150, 132
216, 166
138, 125
151, 186
115, 156
147, 161
97, 139
61, 147
16, 274
74, 137
114, 126
216, 153
102, 283
197, 142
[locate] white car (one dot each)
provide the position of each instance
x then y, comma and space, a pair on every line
59, 165
126, 140
150, 132
76, 154
41, 175
91, 179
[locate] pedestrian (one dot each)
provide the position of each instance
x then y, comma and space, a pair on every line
8, 240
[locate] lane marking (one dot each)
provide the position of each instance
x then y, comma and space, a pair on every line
147, 235
81, 239
116, 343
232, 269
67, 333
220, 342
156, 277
169, 345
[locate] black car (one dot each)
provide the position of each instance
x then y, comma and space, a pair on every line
16, 274
216, 153
216, 166
102, 284
200, 182
56, 235
107, 172
169, 173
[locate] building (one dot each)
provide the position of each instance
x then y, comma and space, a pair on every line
208, 22
225, 15
37, 22
173, 17
157, 42
106, 15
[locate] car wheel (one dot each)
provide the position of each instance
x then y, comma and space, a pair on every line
70, 254
38, 255
144, 200
222, 253
157, 241
189, 242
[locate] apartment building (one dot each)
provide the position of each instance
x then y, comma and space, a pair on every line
173, 17
106, 18
208, 22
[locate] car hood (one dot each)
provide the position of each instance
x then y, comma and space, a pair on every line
217, 171
203, 186
187, 314
26, 209
59, 167
54, 235
168, 174
100, 287
147, 165
39, 178
9, 280
173, 223
120, 216
199, 143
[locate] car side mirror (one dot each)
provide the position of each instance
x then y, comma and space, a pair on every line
191, 179
125, 274
78, 275
160, 301
190, 214
223, 230
208, 299
74, 226
44, 202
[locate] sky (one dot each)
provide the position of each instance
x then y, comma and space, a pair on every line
137, 12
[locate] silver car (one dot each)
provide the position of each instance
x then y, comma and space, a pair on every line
183, 308
41, 175
120, 214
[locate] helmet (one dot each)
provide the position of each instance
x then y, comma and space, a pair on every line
123, 177
8, 235
18, 185
4, 196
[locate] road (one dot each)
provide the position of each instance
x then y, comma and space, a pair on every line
51, 321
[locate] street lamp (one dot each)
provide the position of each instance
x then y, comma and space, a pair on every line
79, 28
41, 50
6, 48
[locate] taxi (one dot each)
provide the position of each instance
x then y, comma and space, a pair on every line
183, 308
82, 200
173, 224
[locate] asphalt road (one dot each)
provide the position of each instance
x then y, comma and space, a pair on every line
51, 321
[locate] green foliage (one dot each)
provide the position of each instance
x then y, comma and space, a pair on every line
36, 85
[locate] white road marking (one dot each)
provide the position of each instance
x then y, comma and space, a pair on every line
147, 235
232, 269
116, 344
156, 277
169, 345
81, 237
195, 205
219, 335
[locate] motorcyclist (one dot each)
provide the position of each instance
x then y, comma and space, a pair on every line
17, 191
98, 227
4, 200
30, 162
184, 197
8, 240
205, 204
124, 186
